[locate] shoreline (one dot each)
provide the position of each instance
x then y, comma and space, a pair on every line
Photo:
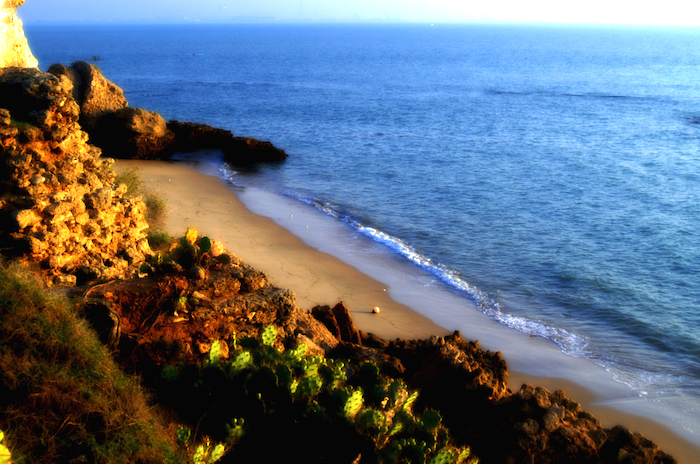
195, 199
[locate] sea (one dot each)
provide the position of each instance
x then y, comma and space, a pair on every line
549, 175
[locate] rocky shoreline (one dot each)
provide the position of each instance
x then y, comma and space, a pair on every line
60, 209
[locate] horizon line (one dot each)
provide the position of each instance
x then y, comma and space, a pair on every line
274, 21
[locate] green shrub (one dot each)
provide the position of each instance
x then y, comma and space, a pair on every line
266, 387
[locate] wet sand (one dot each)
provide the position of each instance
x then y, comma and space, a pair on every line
205, 202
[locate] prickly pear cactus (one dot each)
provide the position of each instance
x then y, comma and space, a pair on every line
5, 455
215, 352
298, 353
269, 334
242, 360
216, 454
311, 365
430, 420
353, 404
370, 419
191, 236
183, 434
408, 404
169, 374
204, 244
445, 456
284, 375
235, 430
309, 386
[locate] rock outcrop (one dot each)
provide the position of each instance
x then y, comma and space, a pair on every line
468, 386
95, 94
14, 50
240, 151
59, 204
173, 308
134, 133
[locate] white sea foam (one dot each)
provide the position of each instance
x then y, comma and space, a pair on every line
570, 343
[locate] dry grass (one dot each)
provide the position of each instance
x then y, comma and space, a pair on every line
155, 207
62, 397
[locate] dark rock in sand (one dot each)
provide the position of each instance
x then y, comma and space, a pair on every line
338, 322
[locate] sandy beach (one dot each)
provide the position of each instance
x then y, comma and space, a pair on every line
205, 202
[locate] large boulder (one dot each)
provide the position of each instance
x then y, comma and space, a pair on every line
133, 133
120, 131
14, 50
190, 136
96, 95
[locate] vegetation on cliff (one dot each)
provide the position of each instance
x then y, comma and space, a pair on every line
64, 399
62, 396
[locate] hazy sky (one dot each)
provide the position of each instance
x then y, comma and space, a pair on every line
665, 12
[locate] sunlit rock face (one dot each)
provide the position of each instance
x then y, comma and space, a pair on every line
60, 205
14, 50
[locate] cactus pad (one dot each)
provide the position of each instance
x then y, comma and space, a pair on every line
215, 352
241, 362
353, 404
269, 334
445, 456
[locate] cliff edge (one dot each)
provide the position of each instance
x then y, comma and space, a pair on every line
14, 49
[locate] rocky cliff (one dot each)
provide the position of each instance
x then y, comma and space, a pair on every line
59, 204
14, 50
134, 133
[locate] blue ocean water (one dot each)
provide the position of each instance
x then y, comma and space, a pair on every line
550, 174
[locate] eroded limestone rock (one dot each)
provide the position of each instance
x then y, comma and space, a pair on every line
96, 95
59, 204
